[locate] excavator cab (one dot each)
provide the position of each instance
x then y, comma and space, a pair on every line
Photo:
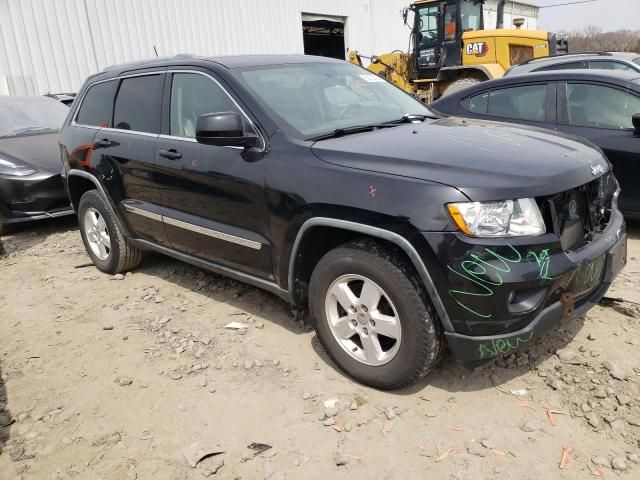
437, 32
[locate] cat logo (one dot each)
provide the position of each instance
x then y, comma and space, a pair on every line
479, 49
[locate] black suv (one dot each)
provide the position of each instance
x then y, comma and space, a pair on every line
326, 185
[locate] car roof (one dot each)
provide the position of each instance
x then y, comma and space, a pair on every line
609, 76
630, 80
535, 63
227, 61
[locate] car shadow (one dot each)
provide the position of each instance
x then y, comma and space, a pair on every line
23, 236
5, 415
218, 288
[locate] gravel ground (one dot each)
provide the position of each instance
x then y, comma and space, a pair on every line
136, 376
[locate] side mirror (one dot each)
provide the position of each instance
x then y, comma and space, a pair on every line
223, 129
636, 122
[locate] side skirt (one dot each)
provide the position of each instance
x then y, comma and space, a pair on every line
216, 268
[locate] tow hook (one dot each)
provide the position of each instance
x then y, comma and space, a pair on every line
566, 299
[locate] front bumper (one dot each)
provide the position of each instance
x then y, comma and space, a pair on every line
488, 318
34, 197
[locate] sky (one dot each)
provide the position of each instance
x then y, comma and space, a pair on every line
606, 14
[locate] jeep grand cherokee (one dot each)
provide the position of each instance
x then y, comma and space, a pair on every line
326, 185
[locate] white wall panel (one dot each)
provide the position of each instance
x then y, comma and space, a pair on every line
53, 45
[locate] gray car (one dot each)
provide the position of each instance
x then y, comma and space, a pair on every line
618, 61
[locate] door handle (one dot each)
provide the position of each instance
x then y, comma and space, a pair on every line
171, 154
104, 143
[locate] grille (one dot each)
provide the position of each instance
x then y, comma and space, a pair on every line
577, 216
519, 53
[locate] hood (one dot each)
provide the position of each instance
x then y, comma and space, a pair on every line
484, 160
41, 151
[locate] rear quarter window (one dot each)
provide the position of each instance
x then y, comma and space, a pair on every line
563, 66
95, 109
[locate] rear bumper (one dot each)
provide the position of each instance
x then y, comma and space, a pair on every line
612, 245
35, 197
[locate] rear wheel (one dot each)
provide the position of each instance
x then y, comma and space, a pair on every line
372, 317
109, 250
460, 85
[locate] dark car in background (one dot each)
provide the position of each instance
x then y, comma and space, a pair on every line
30, 184
616, 61
330, 187
603, 107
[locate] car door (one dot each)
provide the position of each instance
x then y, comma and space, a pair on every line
602, 113
214, 200
124, 153
531, 104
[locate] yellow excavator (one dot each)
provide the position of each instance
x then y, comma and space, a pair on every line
450, 49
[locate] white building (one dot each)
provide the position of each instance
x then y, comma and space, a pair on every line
53, 45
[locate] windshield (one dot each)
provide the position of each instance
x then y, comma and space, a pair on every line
319, 98
28, 115
471, 15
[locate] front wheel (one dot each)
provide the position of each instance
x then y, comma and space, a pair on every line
372, 316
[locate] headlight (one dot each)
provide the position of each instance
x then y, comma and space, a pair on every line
15, 169
509, 218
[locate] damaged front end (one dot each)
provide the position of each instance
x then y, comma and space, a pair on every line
503, 293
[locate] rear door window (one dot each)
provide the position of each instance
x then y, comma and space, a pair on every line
610, 65
97, 104
518, 103
138, 104
600, 106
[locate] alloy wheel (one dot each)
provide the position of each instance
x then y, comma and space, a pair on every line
97, 233
363, 319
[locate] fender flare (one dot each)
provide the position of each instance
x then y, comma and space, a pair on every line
101, 191
383, 234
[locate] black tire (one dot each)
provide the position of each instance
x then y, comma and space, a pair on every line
421, 343
122, 255
460, 85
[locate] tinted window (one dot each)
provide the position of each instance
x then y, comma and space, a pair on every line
96, 106
599, 106
138, 104
610, 65
563, 66
193, 95
519, 103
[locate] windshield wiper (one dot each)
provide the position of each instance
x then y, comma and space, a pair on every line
406, 118
410, 118
339, 132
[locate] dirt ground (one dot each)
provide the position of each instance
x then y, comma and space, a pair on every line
109, 377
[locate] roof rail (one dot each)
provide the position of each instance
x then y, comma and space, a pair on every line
604, 54
179, 56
